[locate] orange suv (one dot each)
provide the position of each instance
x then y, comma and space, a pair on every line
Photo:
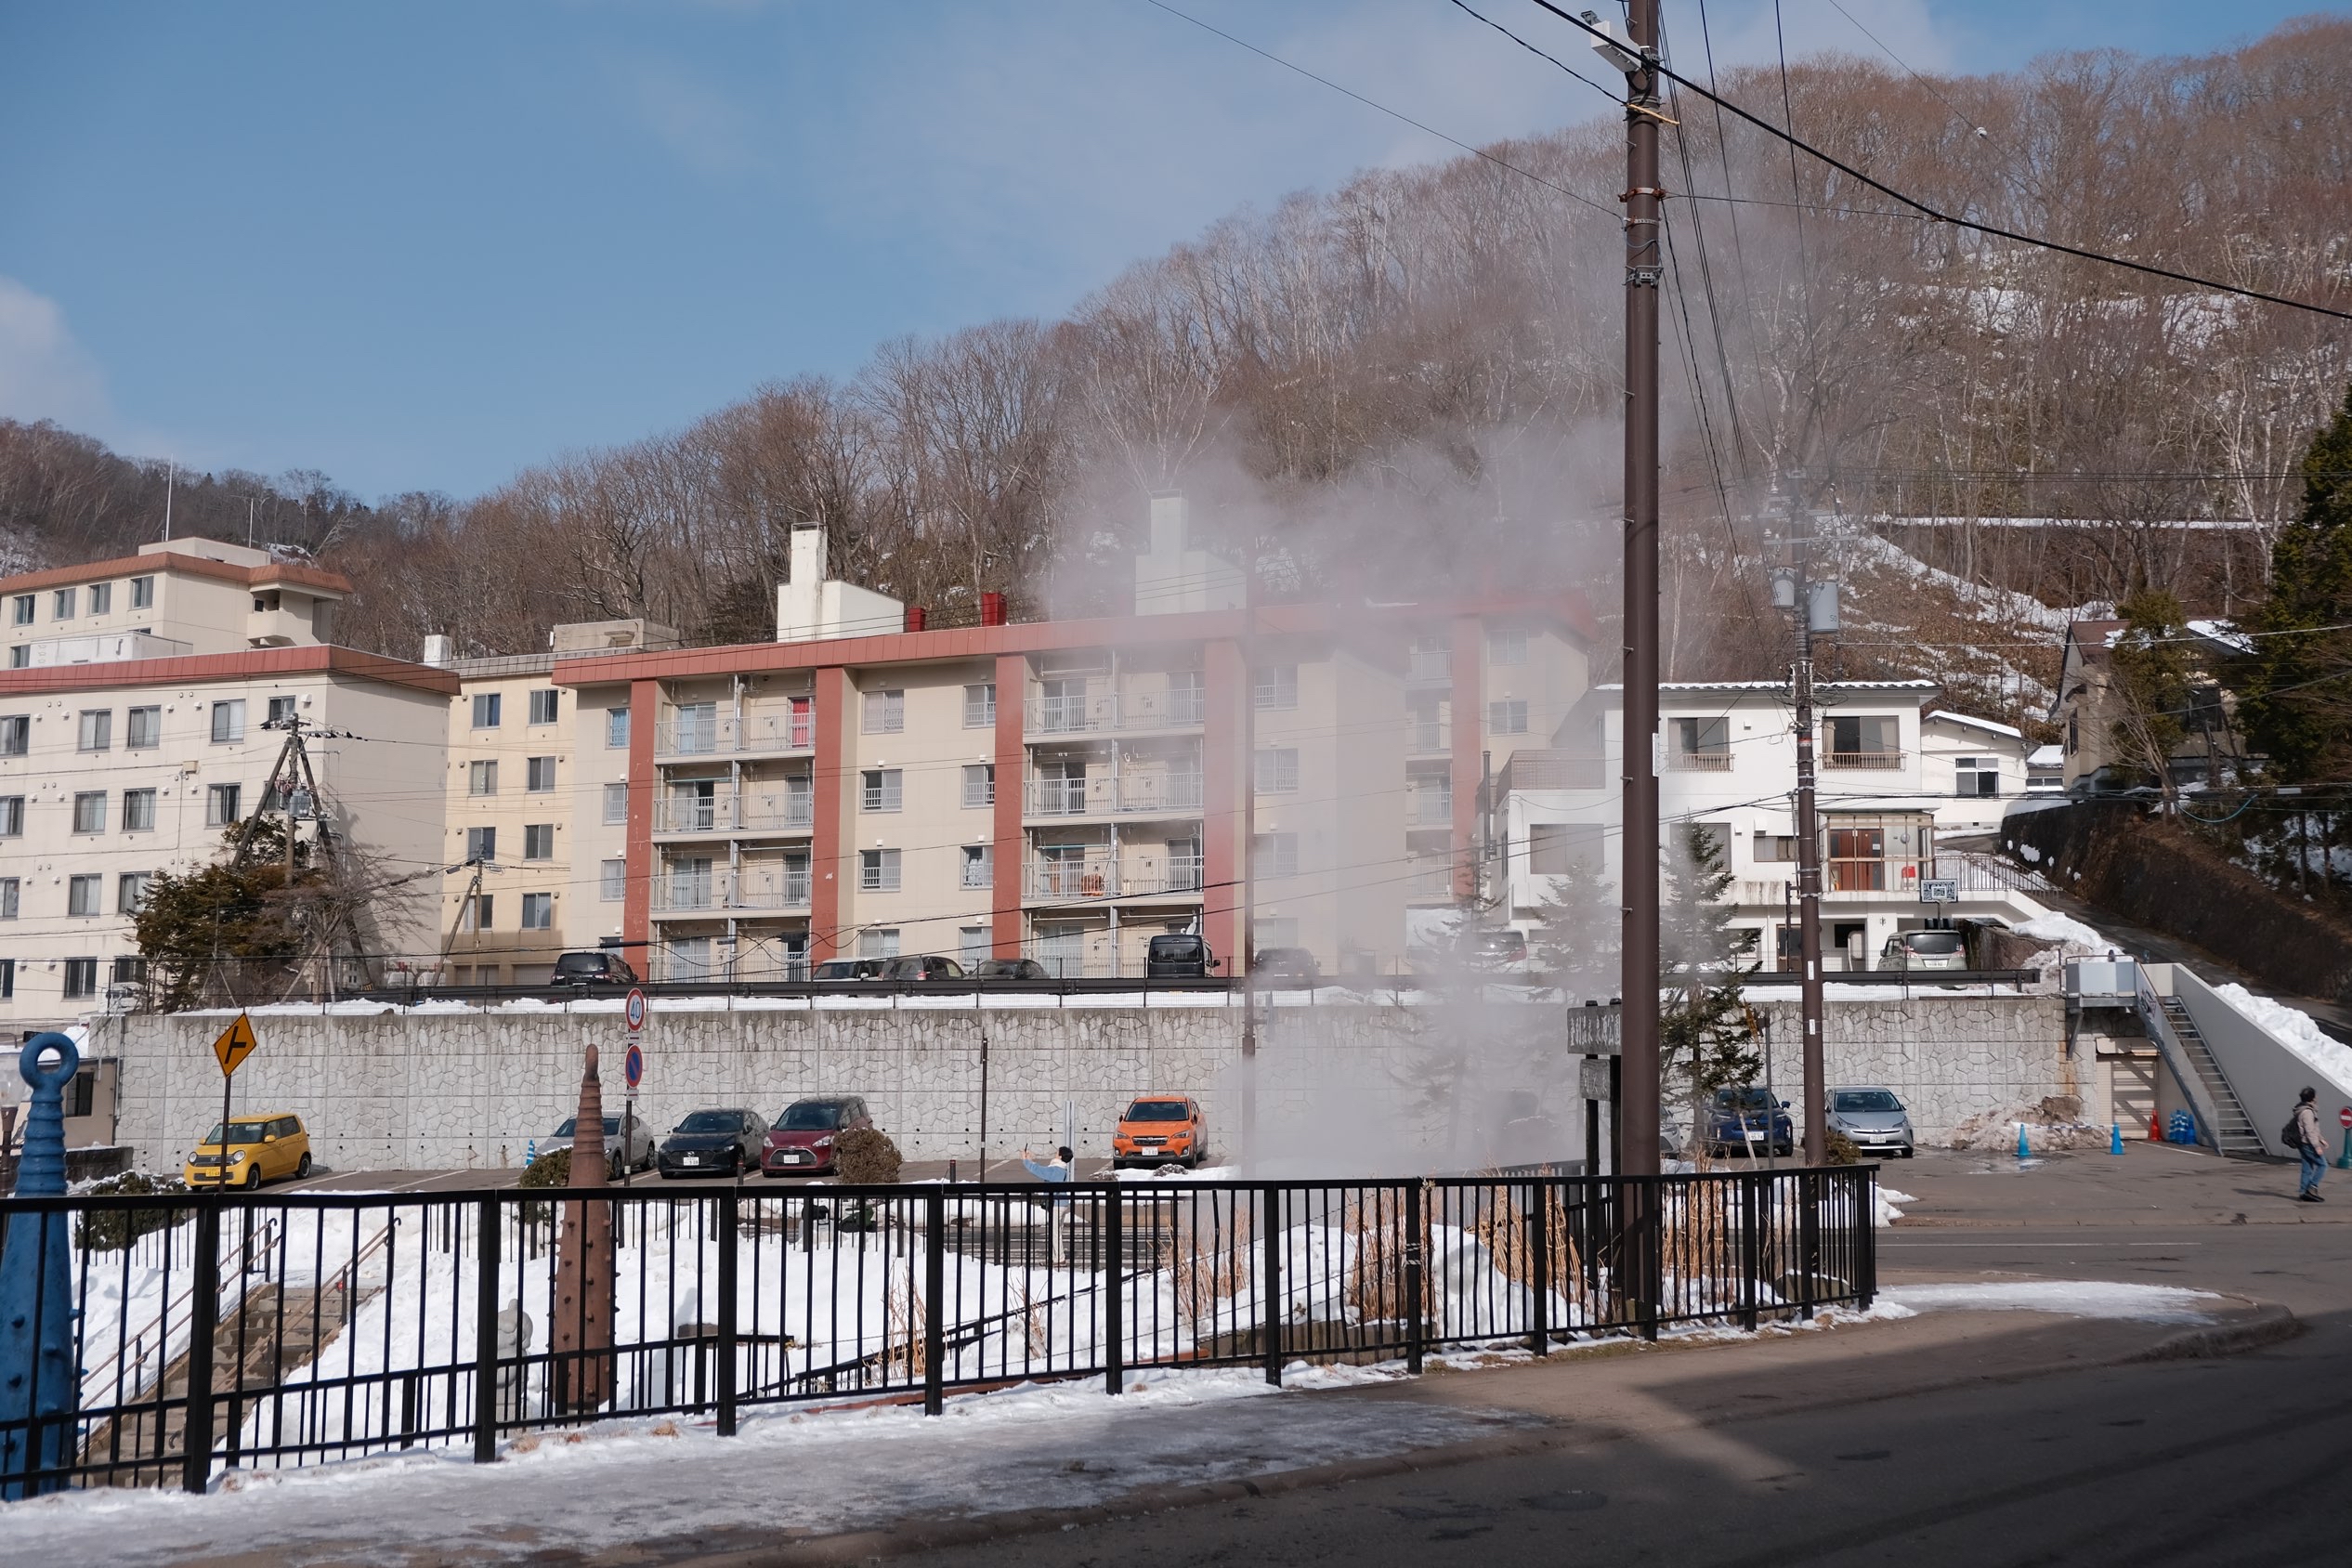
1160, 1129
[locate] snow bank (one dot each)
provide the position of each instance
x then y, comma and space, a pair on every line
2293, 1030
2070, 1298
2078, 939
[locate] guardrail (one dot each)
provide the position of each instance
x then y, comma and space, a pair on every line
374, 1322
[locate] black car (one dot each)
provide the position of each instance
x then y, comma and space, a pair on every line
1287, 964
593, 968
924, 966
713, 1144
1009, 969
1174, 956
850, 969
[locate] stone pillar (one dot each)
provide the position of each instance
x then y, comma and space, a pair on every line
582, 1373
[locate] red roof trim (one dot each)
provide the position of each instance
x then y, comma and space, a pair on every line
276, 572
321, 659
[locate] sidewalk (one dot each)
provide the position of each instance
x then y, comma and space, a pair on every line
2160, 1184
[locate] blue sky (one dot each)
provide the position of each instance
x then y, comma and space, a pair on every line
423, 245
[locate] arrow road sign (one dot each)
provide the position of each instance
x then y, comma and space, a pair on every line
235, 1044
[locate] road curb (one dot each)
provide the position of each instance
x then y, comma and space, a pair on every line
2269, 1325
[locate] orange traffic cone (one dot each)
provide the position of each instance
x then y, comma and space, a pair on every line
2155, 1128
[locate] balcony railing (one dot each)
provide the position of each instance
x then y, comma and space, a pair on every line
1698, 762
1423, 737
676, 894
1104, 712
1882, 762
1101, 877
762, 811
729, 736
1108, 796
1428, 811
1430, 667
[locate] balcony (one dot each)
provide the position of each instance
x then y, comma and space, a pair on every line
1428, 811
1863, 762
1098, 876
1429, 666
726, 736
751, 811
1698, 762
680, 893
1106, 712
1133, 794
1425, 738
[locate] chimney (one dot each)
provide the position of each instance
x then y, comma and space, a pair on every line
1167, 523
917, 618
437, 650
992, 609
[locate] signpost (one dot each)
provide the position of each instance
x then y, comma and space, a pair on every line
2344, 1145
236, 1043
1939, 890
633, 1072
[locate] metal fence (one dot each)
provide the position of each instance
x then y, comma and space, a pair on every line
228, 1330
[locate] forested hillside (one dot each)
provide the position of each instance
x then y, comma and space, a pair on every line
1414, 380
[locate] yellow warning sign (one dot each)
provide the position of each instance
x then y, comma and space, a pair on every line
235, 1044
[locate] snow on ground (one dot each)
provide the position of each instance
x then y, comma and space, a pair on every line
2066, 929
2293, 1027
1057, 1446
2070, 1298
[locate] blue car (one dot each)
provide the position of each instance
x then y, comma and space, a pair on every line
1749, 1121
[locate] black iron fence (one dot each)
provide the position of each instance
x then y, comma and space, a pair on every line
227, 1330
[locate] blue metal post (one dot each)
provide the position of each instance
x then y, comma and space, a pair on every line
40, 1390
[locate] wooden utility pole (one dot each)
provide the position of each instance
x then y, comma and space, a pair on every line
1809, 838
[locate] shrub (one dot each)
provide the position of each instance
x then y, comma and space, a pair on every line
866, 1157
1838, 1149
110, 1230
550, 1170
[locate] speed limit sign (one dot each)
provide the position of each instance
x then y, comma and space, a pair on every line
634, 1009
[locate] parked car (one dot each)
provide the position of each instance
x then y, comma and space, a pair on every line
1287, 964
639, 1154
724, 1143
1873, 1118
247, 1150
1925, 949
1159, 1130
1500, 951
1749, 1121
850, 969
924, 966
1009, 969
593, 967
800, 1142
1178, 956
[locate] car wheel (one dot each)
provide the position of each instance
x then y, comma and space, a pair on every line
253, 1175
303, 1168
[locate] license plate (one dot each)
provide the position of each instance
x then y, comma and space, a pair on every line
1752, 1137
693, 1159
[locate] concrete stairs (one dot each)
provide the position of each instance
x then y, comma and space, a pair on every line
2232, 1129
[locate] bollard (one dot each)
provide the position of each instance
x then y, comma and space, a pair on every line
40, 1396
2114, 1137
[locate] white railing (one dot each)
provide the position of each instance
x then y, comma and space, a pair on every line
1698, 762
1101, 877
1881, 761
750, 812
1107, 795
1430, 810
1424, 736
695, 895
1103, 713
729, 736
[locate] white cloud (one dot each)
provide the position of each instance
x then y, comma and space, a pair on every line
44, 373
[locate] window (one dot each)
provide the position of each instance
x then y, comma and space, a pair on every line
880, 789
885, 712
20, 656
979, 866
138, 811
979, 784
1275, 855
97, 730
980, 705
101, 597
1776, 848
1702, 743
878, 944
972, 946
1977, 777
10, 890
1865, 741
81, 895
616, 804
539, 775
539, 911
539, 841
486, 709
21, 610
481, 777
481, 844
130, 893
143, 728
89, 811
1560, 849
477, 912
8, 978
143, 593
62, 607
616, 729
545, 706
1506, 644
612, 880
11, 816
129, 970
1276, 687
16, 734
281, 712
876, 871
81, 977
221, 806
228, 720
1507, 717
1277, 769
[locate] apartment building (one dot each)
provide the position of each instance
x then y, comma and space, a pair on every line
143, 714
1900, 781
1064, 790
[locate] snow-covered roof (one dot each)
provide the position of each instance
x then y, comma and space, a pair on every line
1782, 686
2051, 755
2223, 631
1976, 724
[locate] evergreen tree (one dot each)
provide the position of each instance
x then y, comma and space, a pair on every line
2153, 684
2295, 688
1703, 1040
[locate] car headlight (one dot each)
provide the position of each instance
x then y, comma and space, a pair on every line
238, 1155
826, 1143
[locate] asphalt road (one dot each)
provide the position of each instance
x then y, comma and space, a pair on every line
2238, 1460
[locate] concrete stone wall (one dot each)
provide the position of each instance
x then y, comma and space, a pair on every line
1365, 1087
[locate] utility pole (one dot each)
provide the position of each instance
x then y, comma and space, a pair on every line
1814, 604
1643, 227
1248, 858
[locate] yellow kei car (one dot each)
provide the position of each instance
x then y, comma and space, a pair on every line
258, 1149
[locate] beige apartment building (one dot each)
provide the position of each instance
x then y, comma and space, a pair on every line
143, 714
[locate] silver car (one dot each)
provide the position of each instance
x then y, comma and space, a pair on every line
640, 1154
1873, 1118
1925, 949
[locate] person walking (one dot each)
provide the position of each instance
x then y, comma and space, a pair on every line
1056, 1171
2310, 1144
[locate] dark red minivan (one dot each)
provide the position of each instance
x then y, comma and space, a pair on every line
800, 1142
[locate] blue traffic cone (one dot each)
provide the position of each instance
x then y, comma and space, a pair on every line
2114, 1137
2025, 1150
531, 1154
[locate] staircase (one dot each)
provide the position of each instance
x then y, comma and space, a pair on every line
2233, 1131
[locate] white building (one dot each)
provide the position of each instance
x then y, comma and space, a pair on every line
1900, 780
